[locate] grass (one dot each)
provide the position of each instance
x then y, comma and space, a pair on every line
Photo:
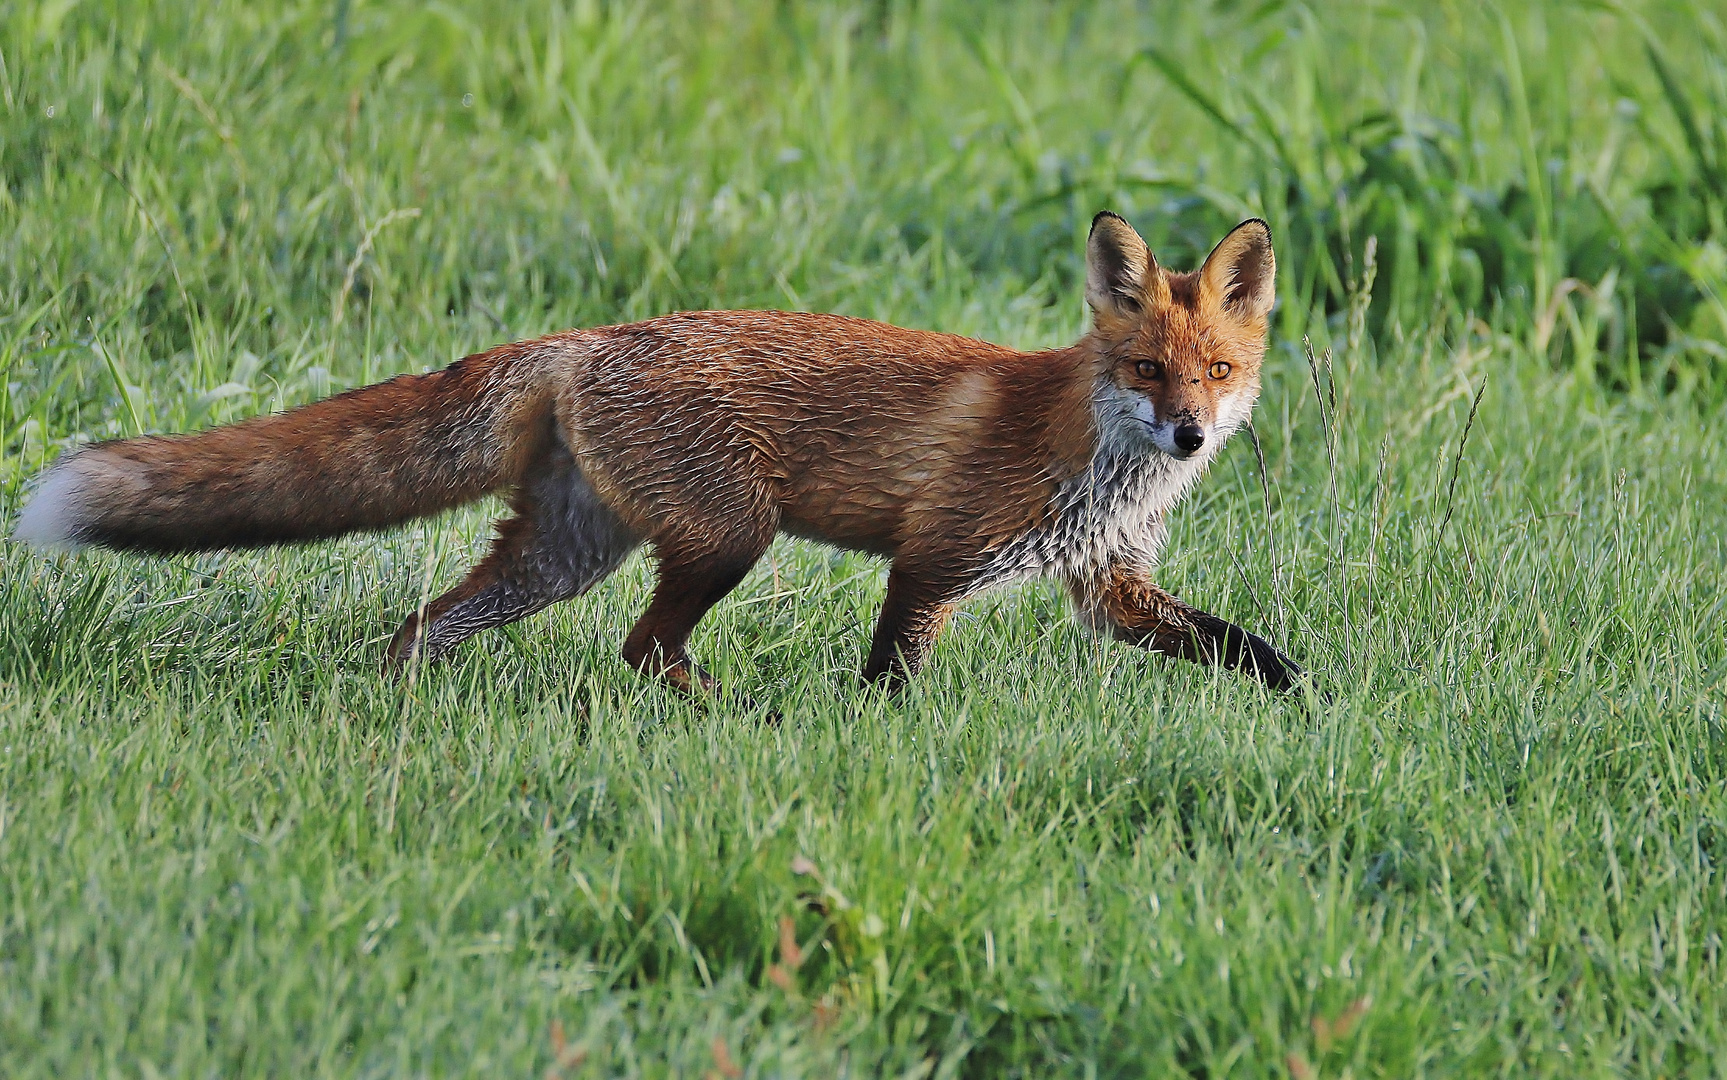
1490, 515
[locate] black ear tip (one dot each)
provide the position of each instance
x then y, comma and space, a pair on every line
1257, 225
1097, 219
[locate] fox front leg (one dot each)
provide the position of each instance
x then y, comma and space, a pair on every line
918, 605
1126, 602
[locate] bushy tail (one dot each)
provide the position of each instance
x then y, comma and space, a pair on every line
366, 459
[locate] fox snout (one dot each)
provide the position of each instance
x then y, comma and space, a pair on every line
1189, 438
1180, 432
1180, 438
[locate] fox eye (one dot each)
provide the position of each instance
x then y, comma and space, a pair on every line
1219, 370
1149, 369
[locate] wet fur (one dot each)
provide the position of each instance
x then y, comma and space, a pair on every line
705, 434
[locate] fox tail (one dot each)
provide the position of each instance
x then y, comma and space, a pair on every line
367, 459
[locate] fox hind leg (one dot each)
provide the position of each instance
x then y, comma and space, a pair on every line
659, 643
692, 579
562, 541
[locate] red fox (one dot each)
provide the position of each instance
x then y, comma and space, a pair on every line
704, 434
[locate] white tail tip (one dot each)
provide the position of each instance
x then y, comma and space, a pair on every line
58, 511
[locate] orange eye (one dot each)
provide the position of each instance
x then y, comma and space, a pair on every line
1149, 369
1219, 370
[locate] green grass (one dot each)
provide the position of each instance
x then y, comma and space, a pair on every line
229, 847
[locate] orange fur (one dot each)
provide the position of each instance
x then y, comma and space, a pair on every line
705, 434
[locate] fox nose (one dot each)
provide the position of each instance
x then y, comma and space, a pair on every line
1189, 437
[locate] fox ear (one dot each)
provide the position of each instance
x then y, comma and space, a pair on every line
1118, 267
1240, 275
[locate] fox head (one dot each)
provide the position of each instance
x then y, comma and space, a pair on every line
1180, 353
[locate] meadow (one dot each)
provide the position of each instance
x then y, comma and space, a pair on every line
1485, 500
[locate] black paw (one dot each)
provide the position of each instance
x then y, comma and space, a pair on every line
1264, 662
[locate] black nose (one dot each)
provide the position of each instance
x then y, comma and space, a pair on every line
1189, 437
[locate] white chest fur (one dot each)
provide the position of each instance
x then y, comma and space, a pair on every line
1114, 509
